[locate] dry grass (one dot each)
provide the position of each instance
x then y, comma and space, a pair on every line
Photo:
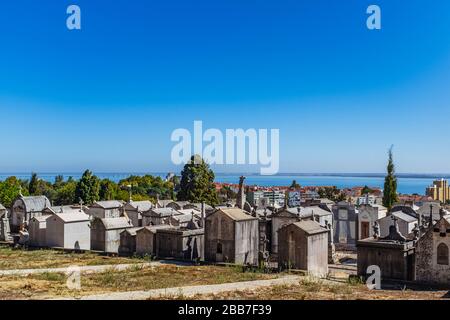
49, 285
311, 289
35, 259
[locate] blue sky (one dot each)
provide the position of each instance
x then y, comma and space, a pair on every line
109, 96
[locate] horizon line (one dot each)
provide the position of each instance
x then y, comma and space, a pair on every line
348, 174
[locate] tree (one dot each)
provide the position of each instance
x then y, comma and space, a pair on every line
197, 182
295, 185
108, 190
390, 184
87, 188
65, 195
147, 187
33, 185
366, 190
331, 193
225, 193
59, 182
10, 190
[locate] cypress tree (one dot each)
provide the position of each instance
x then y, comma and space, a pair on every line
33, 185
197, 182
390, 184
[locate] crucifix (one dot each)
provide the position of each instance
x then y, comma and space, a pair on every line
81, 204
130, 192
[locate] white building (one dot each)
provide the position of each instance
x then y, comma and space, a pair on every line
405, 221
134, 210
367, 199
25, 208
367, 216
106, 209
69, 231
157, 216
294, 199
427, 207
37, 229
105, 233
291, 215
270, 198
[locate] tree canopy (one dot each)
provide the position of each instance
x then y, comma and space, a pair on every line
10, 189
366, 190
197, 182
294, 185
331, 193
88, 188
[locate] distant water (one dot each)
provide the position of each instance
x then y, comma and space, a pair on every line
407, 183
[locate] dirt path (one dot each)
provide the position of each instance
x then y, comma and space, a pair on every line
191, 290
83, 269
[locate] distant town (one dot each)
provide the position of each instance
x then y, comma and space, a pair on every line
321, 231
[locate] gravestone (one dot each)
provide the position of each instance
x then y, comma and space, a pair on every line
5, 231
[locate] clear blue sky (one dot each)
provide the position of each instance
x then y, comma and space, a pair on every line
108, 97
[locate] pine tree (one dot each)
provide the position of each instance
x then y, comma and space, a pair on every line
390, 184
197, 182
88, 188
33, 185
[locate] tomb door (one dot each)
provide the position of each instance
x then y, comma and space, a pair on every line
365, 227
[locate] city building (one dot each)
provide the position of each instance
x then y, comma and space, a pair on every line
269, 197
439, 191
369, 199
294, 198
